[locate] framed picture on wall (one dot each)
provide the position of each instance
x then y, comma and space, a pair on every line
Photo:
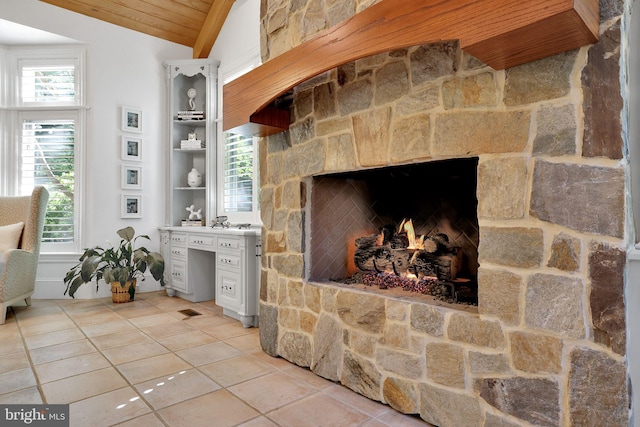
131, 119
131, 206
131, 148
131, 177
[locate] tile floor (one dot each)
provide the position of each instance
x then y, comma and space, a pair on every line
145, 364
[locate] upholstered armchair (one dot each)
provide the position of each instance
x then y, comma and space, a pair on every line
21, 225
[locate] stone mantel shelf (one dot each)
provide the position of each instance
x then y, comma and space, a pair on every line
501, 33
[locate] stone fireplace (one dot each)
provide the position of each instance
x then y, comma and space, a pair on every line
546, 343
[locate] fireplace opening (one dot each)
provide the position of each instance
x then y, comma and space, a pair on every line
411, 228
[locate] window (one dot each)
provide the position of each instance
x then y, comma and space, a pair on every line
47, 158
238, 174
238, 178
238, 169
51, 83
45, 118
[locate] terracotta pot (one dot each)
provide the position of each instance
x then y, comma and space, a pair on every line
126, 293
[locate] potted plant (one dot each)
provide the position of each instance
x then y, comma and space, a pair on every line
120, 266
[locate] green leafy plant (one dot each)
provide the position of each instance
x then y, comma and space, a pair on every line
115, 264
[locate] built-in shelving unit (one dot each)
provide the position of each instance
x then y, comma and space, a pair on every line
191, 115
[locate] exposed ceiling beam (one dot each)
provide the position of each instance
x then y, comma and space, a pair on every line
211, 27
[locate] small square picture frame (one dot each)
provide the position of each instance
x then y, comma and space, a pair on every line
131, 148
131, 206
131, 119
131, 177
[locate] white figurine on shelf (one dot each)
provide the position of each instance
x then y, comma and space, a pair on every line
193, 214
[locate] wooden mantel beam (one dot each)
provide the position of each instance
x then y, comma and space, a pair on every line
501, 33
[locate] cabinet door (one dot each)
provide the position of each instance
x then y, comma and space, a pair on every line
179, 275
229, 290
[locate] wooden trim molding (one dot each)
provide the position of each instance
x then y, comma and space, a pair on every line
501, 33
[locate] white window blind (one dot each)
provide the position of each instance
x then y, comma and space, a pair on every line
238, 194
48, 84
47, 158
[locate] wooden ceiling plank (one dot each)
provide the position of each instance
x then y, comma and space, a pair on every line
167, 10
480, 25
211, 27
158, 28
200, 5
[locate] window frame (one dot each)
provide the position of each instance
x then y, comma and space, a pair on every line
228, 72
15, 111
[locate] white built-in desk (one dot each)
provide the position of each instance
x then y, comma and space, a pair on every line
221, 264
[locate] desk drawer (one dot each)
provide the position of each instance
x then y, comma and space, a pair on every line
229, 261
178, 251
228, 243
202, 241
179, 239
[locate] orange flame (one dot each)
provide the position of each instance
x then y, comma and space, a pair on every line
407, 227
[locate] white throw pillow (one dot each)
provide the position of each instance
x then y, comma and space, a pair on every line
10, 236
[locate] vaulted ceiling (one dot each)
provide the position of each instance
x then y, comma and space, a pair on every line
193, 23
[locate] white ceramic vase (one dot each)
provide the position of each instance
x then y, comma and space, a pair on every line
194, 178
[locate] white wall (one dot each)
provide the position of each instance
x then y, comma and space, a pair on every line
124, 68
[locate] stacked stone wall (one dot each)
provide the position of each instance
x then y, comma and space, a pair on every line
547, 343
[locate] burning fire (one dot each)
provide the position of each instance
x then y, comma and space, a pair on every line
407, 227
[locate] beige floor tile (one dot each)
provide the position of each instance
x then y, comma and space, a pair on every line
29, 395
318, 410
259, 422
348, 397
13, 361
374, 423
129, 353
83, 386
11, 345
276, 362
208, 321
71, 366
188, 340
36, 309
101, 316
393, 418
247, 343
16, 380
219, 409
149, 420
168, 329
41, 319
109, 327
271, 391
208, 353
168, 390
61, 351
52, 338
59, 324
228, 330
305, 375
9, 330
119, 339
153, 367
152, 320
107, 409
236, 370
131, 312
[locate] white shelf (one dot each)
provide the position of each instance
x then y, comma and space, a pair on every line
183, 75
